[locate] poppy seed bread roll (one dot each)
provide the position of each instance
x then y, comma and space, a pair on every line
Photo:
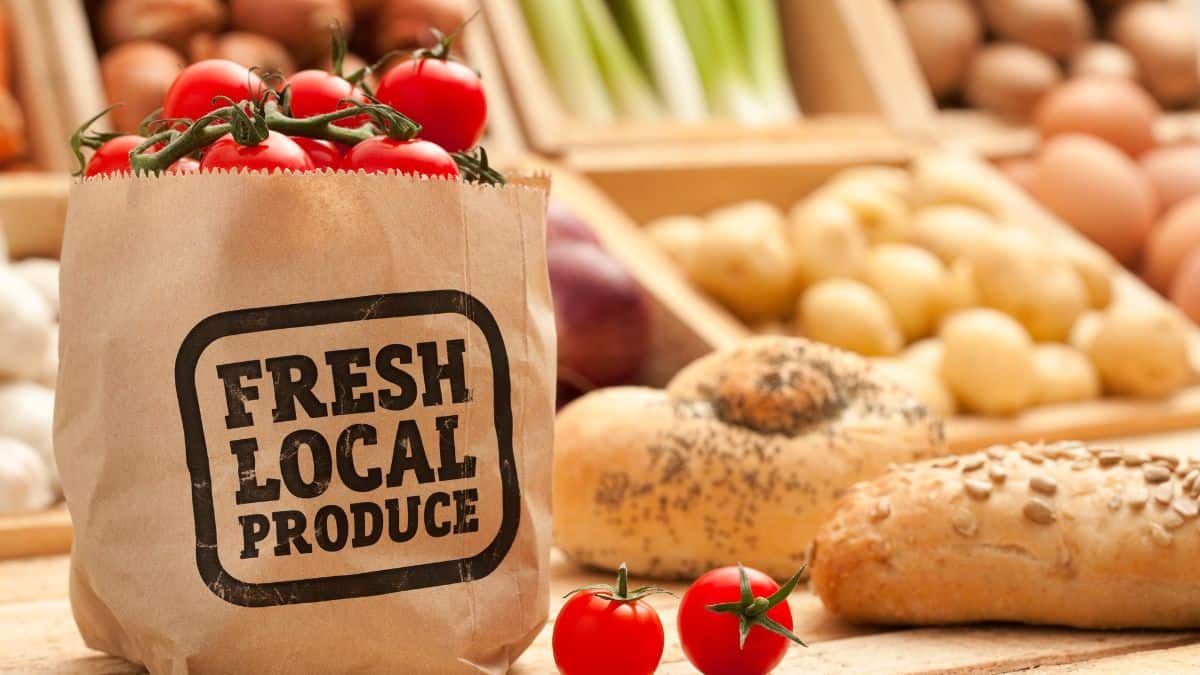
1090, 537
740, 458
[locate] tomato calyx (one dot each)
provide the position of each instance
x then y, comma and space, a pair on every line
84, 137
442, 42
621, 591
752, 611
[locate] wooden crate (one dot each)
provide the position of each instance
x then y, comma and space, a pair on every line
826, 64
888, 57
682, 188
57, 87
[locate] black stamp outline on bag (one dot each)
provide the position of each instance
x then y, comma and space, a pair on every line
366, 308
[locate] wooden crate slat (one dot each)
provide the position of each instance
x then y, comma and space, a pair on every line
33, 534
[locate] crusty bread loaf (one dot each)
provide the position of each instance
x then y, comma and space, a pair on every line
739, 459
1091, 537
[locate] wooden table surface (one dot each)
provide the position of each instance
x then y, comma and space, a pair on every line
37, 634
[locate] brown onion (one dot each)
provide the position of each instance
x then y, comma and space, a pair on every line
171, 22
405, 24
137, 75
248, 49
300, 25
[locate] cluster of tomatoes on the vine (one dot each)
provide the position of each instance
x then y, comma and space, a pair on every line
731, 621
444, 97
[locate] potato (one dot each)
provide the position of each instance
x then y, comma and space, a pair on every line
1141, 351
1056, 27
910, 280
1095, 269
958, 290
1017, 274
1111, 109
1161, 37
949, 230
1064, 374
1009, 79
926, 385
678, 237
988, 362
827, 240
745, 261
882, 214
12, 127
894, 179
926, 354
849, 314
949, 178
943, 35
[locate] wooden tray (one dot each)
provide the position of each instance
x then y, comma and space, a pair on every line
686, 187
37, 635
826, 64
33, 534
888, 57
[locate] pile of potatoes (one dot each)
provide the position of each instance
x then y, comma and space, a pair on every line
146, 43
920, 270
1003, 55
28, 369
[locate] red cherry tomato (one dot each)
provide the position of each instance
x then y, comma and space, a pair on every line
380, 154
184, 165
710, 639
112, 157
316, 92
324, 154
276, 152
191, 94
445, 97
596, 635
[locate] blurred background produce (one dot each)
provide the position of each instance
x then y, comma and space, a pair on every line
1003, 55
145, 43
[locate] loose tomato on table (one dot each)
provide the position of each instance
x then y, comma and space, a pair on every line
736, 621
605, 630
275, 152
324, 154
191, 95
445, 97
316, 92
380, 154
112, 157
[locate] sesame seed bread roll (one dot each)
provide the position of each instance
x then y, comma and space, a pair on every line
1090, 537
739, 459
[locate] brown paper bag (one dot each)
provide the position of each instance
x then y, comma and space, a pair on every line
304, 422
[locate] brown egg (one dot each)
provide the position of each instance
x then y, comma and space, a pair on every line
1103, 59
1114, 110
1056, 27
1020, 170
1177, 233
1185, 289
943, 35
1174, 171
1161, 36
1097, 189
1009, 79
